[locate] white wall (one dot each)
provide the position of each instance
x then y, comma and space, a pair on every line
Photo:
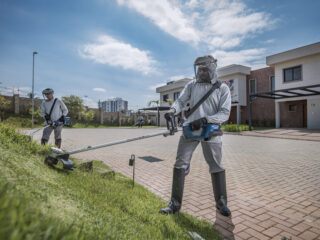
310, 72
240, 93
313, 106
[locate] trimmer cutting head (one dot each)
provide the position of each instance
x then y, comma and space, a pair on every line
57, 155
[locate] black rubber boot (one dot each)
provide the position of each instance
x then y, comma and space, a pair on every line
58, 143
177, 192
220, 192
43, 141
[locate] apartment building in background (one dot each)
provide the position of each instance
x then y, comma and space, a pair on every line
114, 105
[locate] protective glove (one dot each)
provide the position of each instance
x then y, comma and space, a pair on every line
61, 119
169, 114
47, 117
197, 124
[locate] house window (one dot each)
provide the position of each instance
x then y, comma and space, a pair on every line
272, 83
292, 74
252, 86
165, 97
292, 108
176, 95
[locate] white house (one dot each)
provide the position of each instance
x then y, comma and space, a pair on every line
236, 77
298, 68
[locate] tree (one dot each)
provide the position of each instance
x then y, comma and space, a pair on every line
37, 115
3, 103
88, 116
75, 106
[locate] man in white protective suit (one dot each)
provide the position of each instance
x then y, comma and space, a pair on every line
215, 109
52, 110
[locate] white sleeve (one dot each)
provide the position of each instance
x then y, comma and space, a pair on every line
184, 97
224, 107
64, 108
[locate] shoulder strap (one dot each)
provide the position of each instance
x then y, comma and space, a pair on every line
54, 102
214, 87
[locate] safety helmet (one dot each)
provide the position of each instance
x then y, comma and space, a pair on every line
47, 91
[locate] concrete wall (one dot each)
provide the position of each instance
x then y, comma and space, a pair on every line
20, 105
239, 92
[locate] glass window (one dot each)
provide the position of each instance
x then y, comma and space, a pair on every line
252, 86
165, 97
176, 95
292, 74
272, 83
292, 108
297, 73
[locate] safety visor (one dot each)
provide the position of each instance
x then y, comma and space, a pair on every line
198, 68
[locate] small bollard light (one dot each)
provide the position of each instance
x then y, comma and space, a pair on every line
132, 163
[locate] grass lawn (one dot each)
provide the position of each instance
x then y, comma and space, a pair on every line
38, 202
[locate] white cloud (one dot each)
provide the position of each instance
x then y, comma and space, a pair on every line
228, 23
115, 53
99, 89
244, 57
167, 16
270, 41
220, 24
90, 102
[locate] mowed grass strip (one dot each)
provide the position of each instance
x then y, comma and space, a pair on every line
38, 202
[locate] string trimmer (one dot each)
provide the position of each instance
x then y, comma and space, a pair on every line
57, 154
56, 123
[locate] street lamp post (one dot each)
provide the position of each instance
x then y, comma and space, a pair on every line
34, 53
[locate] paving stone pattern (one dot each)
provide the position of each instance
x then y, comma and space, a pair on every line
273, 184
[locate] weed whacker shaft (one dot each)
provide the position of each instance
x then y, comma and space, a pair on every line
64, 155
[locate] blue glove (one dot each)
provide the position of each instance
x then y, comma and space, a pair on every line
197, 124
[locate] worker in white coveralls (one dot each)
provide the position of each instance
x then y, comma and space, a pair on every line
214, 110
53, 110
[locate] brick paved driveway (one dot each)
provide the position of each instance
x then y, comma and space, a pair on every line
273, 184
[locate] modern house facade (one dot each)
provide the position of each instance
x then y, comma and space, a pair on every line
171, 91
297, 68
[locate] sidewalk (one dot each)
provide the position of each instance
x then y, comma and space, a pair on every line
298, 134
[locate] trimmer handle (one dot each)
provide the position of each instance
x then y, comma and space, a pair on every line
171, 125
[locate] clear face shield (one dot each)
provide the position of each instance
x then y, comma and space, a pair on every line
47, 94
204, 68
202, 73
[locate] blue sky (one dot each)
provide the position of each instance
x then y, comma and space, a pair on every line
100, 49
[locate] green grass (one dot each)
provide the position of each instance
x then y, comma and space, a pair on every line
235, 128
38, 202
21, 121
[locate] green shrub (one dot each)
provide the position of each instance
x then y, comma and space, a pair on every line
235, 128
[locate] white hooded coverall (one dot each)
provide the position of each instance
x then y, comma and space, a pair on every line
216, 109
